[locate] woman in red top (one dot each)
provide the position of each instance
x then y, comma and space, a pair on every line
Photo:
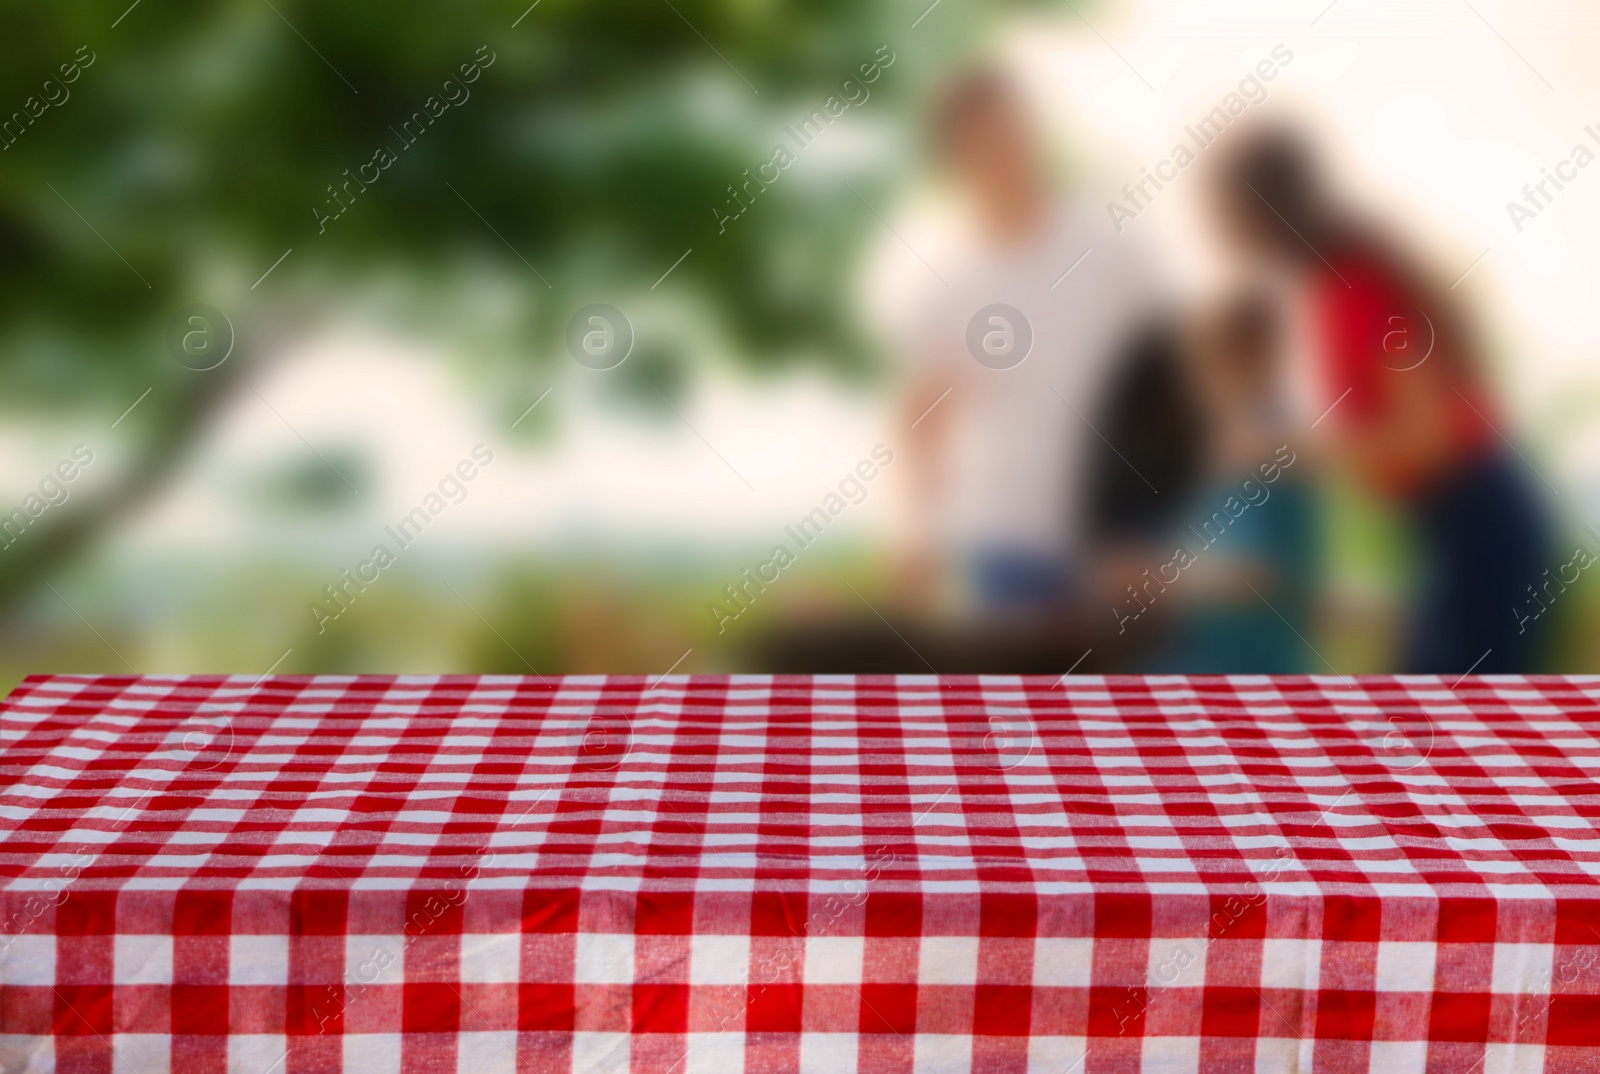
1411, 416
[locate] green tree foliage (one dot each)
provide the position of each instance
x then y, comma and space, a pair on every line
200, 143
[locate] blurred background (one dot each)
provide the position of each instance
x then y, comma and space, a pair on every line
821, 337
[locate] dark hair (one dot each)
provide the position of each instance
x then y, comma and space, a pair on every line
1272, 177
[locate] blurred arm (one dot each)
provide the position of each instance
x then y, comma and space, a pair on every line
924, 427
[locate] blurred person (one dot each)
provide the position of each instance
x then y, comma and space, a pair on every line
994, 417
1250, 531
1143, 474
1410, 416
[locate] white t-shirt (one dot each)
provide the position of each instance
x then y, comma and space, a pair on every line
1014, 469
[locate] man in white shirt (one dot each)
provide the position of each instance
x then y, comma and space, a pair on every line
1023, 334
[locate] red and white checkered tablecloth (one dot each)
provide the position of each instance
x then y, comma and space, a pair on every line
824, 874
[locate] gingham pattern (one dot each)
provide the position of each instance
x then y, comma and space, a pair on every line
800, 874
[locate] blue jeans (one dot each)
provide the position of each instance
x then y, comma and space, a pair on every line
1485, 539
1017, 582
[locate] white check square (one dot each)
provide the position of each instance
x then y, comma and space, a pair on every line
1405, 966
601, 1053
1063, 961
1277, 1054
1522, 967
1176, 962
719, 960
258, 960
141, 959
1056, 1055
141, 1053
936, 1053
373, 960
713, 1053
603, 958
486, 1053
491, 958
28, 960
827, 1053
1290, 963
1172, 1055
256, 1053
38, 1052
1399, 1055
834, 959
1513, 1059
372, 1053
948, 960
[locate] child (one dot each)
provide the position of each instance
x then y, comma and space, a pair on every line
1245, 597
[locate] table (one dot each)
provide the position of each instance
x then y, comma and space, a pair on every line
908, 874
